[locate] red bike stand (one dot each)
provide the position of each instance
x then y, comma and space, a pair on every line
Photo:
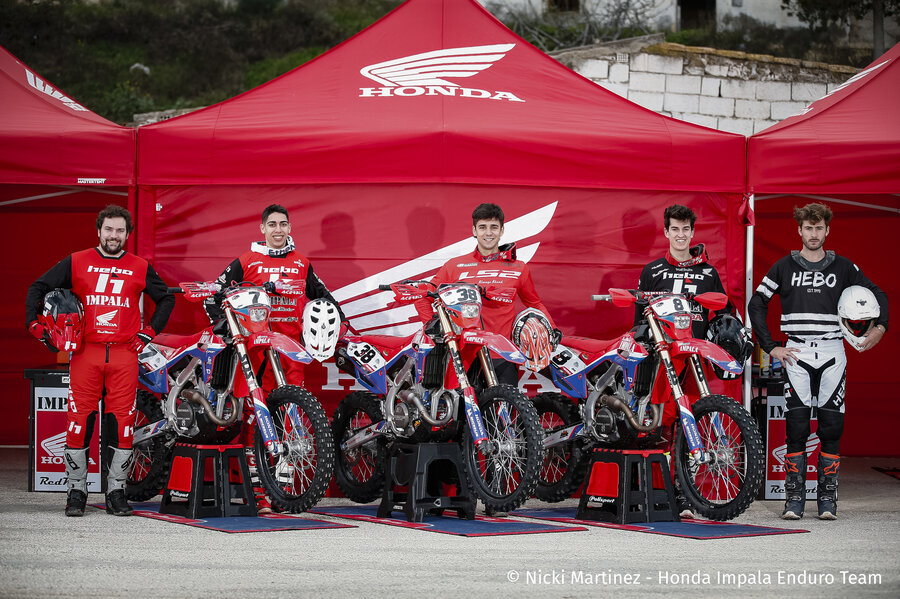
200, 483
421, 468
628, 486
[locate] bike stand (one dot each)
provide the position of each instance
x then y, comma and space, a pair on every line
411, 465
628, 486
188, 492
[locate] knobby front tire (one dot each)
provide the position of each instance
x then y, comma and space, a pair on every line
505, 480
725, 486
297, 478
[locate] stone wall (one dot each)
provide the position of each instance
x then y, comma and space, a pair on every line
730, 91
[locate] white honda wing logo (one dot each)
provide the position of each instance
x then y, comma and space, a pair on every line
434, 73
811, 444
104, 319
367, 308
428, 68
55, 445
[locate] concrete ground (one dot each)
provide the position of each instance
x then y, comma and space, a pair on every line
44, 554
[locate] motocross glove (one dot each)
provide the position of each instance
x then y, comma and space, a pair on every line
143, 337
555, 338
36, 330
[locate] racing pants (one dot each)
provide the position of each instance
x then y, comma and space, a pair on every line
97, 366
816, 380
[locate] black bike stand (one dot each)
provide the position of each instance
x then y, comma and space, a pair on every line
422, 468
627, 487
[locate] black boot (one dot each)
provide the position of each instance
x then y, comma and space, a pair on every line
116, 504
829, 466
794, 486
75, 502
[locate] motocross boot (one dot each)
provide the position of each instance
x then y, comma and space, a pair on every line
794, 485
76, 474
259, 493
829, 465
119, 465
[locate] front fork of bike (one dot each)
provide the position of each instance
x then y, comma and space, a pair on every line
688, 422
473, 412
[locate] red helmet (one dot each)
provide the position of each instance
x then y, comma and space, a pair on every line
62, 319
531, 333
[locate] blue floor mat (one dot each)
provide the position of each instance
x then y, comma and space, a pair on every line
261, 523
481, 526
690, 529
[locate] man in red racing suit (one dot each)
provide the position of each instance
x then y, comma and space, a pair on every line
491, 265
275, 258
109, 281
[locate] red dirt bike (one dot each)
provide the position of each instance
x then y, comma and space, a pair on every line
194, 388
420, 389
620, 390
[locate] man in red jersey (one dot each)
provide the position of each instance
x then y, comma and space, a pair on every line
109, 282
491, 265
270, 260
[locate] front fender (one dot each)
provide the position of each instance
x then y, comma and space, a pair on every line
709, 350
497, 343
284, 345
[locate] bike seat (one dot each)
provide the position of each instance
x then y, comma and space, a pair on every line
176, 341
389, 342
586, 344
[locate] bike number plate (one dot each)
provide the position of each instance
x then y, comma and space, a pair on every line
567, 361
366, 356
151, 358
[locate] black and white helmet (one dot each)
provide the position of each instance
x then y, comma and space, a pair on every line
321, 328
857, 311
727, 332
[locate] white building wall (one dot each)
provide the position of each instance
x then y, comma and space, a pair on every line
765, 11
730, 91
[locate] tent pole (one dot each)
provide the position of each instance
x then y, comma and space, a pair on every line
748, 291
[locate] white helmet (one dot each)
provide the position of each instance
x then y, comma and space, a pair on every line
531, 333
857, 311
321, 328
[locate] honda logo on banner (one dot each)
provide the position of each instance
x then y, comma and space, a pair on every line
434, 73
776, 449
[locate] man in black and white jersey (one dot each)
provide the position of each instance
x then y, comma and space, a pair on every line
810, 283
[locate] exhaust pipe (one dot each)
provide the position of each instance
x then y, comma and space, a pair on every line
193, 396
617, 404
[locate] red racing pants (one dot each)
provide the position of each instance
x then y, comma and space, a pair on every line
98, 366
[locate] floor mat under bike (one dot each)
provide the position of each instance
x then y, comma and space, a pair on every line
481, 526
895, 472
690, 529
261, 523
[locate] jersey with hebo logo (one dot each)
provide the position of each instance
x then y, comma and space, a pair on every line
809, 298
666, 275
488, 272
109, 289
287, 311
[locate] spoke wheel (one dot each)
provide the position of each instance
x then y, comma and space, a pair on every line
359, 472
297, 478
152, 459
563, 466
724, 486
506, 474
